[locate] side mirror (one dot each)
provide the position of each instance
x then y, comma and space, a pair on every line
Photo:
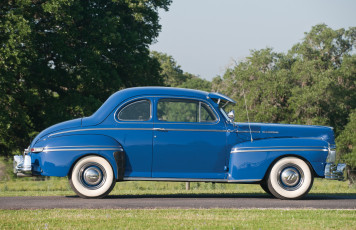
231, 115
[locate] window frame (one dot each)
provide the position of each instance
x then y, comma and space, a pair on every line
120, 109
199, 102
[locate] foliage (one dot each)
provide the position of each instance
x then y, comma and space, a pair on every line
346, 142
313, 84
174, 76
60, 59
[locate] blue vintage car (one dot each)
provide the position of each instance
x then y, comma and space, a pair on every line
172, 134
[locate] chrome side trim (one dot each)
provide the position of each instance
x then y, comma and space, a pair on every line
86, 146
82, 149
140, 129
274, 132
276, 150
198, 130
247, 131
272, 147
83, 130
245, 180
173, 179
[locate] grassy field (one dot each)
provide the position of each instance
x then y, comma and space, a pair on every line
60, 186
178, 219
170, 218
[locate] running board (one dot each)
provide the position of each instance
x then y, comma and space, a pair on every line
189, 180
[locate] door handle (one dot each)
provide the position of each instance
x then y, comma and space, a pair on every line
160, 129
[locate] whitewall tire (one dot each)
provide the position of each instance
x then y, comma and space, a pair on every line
290, 178
92, 177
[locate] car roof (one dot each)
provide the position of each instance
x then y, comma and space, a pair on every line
111, 103
149, 90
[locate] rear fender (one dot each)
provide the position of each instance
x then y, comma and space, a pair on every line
60, 153
250, 161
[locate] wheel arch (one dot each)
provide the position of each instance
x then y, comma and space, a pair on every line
254, 160
265, 177
87, 155
61, 153
92, 177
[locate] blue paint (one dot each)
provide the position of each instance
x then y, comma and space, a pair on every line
196, 150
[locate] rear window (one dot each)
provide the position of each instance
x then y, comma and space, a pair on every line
136, 111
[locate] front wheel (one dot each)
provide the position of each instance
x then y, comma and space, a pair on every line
92, 177
290, 178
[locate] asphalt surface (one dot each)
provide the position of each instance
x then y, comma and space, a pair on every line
205, 201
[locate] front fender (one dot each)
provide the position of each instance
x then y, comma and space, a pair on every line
60, 153
250, 161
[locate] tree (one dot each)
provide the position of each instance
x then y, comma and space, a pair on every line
346, 143
174, 76
266, 83
314, 83
323, 90
60, 59
171, 72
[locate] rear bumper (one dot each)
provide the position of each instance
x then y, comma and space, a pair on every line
22, 166
335, 172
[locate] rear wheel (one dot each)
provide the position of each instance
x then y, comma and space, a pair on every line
264, 186
290, 178
92, 177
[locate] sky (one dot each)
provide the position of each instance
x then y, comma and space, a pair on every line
205, 36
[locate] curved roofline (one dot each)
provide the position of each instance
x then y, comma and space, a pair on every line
162, 90
115, 99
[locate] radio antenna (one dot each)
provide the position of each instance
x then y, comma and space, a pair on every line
243, 92
248, 118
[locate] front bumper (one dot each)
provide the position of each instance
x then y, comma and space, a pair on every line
22, 166
335, 172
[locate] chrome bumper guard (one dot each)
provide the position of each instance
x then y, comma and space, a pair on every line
22, 166
335, 172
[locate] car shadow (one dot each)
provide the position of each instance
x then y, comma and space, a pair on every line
313, 196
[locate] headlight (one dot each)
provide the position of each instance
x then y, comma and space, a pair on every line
331, 156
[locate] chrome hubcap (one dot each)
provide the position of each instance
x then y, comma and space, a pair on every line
290, 177
92, 175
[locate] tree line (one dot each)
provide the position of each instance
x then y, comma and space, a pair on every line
313, 83
61, 59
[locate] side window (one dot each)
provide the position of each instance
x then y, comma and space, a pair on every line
183, 110
206, 114
136, 111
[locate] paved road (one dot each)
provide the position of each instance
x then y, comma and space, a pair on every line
319, 201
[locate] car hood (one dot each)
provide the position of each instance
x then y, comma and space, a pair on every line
264, 131
58, 127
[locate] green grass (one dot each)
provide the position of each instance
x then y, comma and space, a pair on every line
170, 218
178, 219
59, 186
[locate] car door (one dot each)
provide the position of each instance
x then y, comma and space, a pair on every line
133, 129
189, 140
